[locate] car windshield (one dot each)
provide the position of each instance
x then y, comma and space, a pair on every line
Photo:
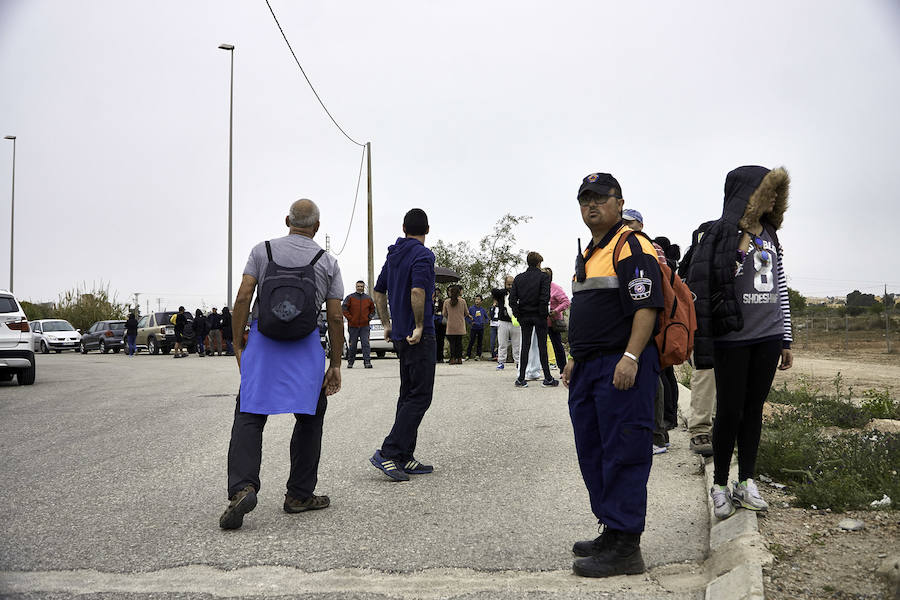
8, 304
117, 326
57, 326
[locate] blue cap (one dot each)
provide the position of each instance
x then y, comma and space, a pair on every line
632, 215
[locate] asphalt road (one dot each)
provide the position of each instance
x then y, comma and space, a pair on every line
113, 472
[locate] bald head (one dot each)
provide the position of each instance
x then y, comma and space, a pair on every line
304, 214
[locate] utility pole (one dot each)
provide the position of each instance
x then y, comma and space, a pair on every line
327, 243
371, 240
887, 319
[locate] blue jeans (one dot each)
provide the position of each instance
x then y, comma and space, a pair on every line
201, 349
359, 334
132, 346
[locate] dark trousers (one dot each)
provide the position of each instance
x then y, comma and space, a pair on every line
493, 341
475, 334
539, 326
670, 400
661, 430
744, 375
359, 334
131, 344
613, 437
559, 349
455, 345
245, 450
440, 330
416, 389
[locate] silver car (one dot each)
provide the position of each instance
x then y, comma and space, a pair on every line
54, 334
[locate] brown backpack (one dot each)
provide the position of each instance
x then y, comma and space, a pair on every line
677, 320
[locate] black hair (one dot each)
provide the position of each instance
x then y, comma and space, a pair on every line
415, 222
361, 281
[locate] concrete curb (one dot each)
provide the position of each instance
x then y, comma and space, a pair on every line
737, 552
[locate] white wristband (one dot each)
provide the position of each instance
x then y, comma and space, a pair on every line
631, 356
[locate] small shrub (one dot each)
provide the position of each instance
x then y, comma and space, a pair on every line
879, 404
683, 373
788, 447
837, 412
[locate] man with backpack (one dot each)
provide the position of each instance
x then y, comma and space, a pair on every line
283, 364
612, 378
179, 320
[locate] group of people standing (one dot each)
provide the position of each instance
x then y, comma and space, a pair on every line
612, 376
212, 333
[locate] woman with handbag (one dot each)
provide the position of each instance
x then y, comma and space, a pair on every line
557, 321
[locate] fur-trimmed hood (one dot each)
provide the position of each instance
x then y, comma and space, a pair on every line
746, 191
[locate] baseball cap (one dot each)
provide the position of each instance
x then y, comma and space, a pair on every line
632, 215
601, 183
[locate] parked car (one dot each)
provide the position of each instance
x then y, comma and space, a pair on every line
157, 334
378, 346
16, 349
104, 336
54, 334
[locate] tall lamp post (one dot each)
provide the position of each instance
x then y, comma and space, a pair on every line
230, 49
12, 217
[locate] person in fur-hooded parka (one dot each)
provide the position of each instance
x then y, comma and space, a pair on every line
748, 190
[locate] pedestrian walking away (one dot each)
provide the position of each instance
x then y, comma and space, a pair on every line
405, 283
214, 321
282, 366
179, 320
479, 316
227, 333
456, 313
743, 323
131, 326
358, 309
529, 298
508, 330
557, 322
612, 378
201, 328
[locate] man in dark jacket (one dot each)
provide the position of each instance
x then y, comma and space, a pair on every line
131, 327
507, 330
358, 309
214, 320
407, 282
201, 328
180, 323
226, 331
529, 299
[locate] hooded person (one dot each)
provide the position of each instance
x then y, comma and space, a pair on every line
406, 282
201, 328
743, 322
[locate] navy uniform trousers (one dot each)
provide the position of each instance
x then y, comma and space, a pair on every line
614, 436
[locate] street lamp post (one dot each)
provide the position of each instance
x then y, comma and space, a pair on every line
230, 49
12, 214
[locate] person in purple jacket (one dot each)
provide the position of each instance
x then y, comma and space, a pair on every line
406, 283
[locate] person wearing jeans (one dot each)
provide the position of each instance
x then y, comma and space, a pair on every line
529, 298
476, 333
406, 282
358, 309
131, 334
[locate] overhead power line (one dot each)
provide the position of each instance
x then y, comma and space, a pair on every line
333, 120
355, 198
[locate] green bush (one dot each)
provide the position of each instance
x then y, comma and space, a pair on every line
788, 446
837, 412
879, 404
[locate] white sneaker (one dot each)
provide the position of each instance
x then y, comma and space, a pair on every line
659, 449
747, 496
722, 503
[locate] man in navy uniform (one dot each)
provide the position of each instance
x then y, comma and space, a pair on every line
612, 378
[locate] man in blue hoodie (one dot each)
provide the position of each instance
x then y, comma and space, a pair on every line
407, 283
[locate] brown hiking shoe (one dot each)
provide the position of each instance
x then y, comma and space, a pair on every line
292, 505
240, 504
702, 444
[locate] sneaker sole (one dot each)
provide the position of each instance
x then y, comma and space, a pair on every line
234, 518
293, 511
738, 503
397, 477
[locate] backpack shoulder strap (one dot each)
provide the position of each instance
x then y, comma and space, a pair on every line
316, 257
269, 250
623, 239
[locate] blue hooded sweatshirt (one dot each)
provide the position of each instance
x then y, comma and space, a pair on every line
409, 265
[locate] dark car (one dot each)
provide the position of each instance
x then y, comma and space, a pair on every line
104, 336
156, 332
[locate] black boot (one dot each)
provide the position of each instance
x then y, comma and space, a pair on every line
596, 546
622, 558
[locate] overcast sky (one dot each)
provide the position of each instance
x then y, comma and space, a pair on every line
474, 109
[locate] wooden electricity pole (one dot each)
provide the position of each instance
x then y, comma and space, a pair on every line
371, 240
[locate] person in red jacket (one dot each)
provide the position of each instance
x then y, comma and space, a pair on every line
358, 310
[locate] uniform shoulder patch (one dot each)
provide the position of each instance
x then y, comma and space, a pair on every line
639, 288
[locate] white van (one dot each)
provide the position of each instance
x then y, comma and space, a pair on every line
16, 354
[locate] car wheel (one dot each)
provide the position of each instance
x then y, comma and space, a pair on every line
44, 348
83, 348
381, 353
6, 376
152, 348
166, 349
102, 347
57, 351
116, 350
26, 376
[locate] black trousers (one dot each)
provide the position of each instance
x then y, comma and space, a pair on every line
670, 401
416, 390
537, 325
245, 451
559, 349
475, 334
440, 330
455, 345
744, 375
